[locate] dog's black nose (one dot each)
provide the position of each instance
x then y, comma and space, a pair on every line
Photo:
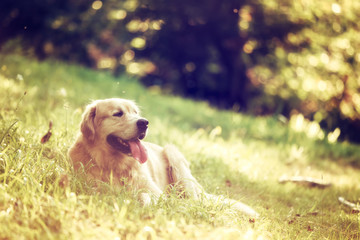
142, 124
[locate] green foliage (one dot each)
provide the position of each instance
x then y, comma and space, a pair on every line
318, 65
230, 153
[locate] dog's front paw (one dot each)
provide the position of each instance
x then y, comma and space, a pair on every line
145, 199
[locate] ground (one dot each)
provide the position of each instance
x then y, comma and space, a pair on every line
232, 154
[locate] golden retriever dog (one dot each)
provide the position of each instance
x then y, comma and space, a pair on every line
110, 148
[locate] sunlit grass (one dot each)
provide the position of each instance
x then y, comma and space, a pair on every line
231, 154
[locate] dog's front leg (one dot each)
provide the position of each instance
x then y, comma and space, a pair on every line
150, 192
145, 199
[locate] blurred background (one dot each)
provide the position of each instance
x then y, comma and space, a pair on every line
295, 59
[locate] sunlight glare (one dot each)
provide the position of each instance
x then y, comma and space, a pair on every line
96, 5
336, 8
62, 92
118, 14
333, 136
322, 86
249, 46
133, 68
308, 84
138, 43
339, 85
131, 5
297, 122
128, 55
156, 25
106, 62
19, 77
346, 108
357, 58
314, 130
313, 61
324, 58
356, 100
141, 68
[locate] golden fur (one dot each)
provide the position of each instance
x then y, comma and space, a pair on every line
146, 166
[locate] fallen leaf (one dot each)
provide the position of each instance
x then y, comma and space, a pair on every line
64, 181
313, 213
355, 211
47, 136
228, 183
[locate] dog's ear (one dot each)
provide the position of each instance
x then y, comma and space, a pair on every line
87, 124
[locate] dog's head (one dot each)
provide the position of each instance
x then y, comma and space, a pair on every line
116, 122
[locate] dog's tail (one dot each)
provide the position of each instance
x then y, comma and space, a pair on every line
233, 204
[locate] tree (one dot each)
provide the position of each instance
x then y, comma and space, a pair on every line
200, 47
263, 57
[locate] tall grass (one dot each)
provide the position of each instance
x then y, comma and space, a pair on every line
231, 154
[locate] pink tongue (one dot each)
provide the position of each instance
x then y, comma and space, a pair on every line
138, 151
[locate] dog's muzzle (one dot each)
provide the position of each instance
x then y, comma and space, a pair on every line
142, 125
132, 147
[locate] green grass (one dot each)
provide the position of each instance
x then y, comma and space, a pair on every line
231, 154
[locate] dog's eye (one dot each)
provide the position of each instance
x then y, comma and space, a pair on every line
118, 114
